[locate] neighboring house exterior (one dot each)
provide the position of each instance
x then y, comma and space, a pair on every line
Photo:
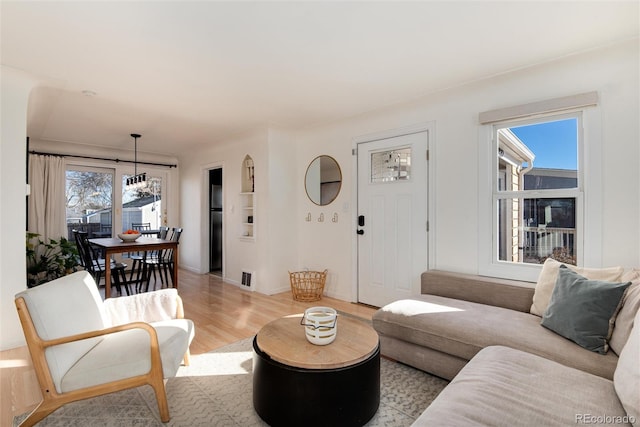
512, 154
143, 210
533, 229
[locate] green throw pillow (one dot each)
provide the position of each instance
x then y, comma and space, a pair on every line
583, 310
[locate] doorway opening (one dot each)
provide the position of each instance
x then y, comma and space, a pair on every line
215, 222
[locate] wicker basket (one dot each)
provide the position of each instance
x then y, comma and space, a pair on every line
307, 285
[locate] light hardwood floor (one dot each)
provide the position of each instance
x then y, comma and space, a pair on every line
222, 314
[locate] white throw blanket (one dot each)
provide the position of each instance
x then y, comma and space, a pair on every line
147, 307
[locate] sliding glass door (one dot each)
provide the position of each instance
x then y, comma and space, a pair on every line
99, 202
89, 200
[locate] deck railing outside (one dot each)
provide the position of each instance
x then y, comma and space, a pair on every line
540, 243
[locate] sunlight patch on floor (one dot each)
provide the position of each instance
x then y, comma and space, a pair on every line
214, 364
13, 363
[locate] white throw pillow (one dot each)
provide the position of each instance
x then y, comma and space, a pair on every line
626, 378
549, 275
630, 306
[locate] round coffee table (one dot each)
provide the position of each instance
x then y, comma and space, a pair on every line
296, 383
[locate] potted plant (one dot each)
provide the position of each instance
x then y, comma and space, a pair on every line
49, 261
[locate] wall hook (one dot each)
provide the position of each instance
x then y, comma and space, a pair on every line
321, 218
335, 217
308, 218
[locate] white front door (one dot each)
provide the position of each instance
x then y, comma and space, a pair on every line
392, 217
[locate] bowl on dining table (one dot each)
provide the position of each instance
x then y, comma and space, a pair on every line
129, 237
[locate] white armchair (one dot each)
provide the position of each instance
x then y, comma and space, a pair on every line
82, 347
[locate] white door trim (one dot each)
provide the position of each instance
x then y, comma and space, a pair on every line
429, 127
204, 217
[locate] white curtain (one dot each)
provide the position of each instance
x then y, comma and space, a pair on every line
47, 215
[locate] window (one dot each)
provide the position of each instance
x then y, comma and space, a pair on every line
89, 197
537, 190
143, 205
529, 211
92, 191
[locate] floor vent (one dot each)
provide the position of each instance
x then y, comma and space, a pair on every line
247, 278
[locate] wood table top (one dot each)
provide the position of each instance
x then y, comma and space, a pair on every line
142, 243
284, 341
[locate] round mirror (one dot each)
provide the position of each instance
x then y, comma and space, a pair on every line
323, 180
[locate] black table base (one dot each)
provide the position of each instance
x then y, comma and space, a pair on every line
288, 396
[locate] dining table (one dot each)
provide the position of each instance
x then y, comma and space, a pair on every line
114, 245
149, 232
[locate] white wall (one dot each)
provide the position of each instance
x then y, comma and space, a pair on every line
613, 72
13, 122
273, 252
454, 145
238, 253
327, 244
280, 237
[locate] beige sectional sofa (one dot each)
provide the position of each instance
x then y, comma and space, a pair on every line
506, 368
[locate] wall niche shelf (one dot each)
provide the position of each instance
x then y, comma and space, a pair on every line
248, 212
248, 200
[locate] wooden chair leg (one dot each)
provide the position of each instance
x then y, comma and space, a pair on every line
166, 275
125, 282
155, 278
150, 269
171, 268
43, 409
187, 358
116, 281
140, 277
161, 397
135, 269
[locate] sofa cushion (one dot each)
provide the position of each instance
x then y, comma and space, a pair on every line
506, 293
549, 274
584, 310
626, 378
630, 306
463, 328
125, 354
506, 387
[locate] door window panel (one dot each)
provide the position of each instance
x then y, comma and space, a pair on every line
389, 166
142, 205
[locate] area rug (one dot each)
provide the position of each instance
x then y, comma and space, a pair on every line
216, 390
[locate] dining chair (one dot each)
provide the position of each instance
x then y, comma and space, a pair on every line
162, 232
95, 265
141, 226
137, 257
82, 346
166, 261
139, 269
162, 263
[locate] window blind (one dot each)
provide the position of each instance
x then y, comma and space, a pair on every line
541, 107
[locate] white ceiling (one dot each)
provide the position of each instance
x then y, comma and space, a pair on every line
185, 73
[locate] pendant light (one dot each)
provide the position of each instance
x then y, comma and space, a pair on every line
136, 181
